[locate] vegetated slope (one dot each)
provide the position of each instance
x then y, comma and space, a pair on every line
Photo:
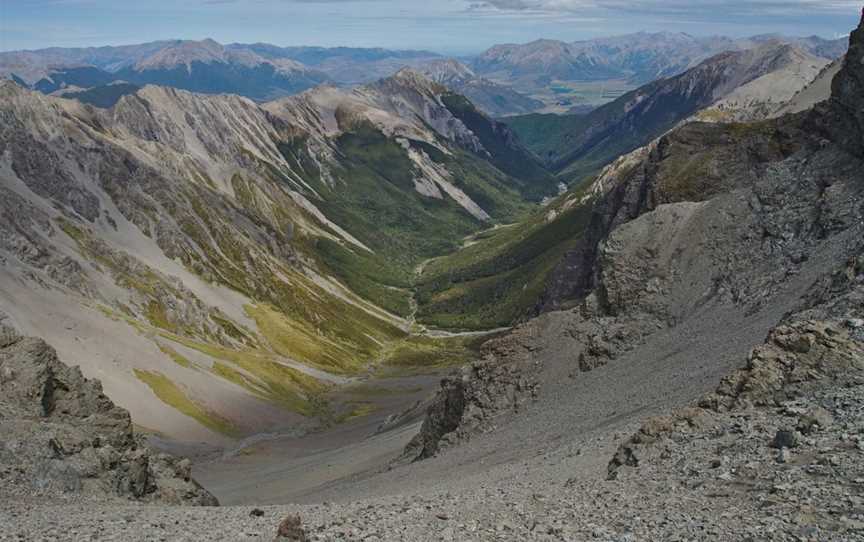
490, 97
251, 256
579, 145
499, 275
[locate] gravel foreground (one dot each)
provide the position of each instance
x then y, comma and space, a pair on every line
791, 469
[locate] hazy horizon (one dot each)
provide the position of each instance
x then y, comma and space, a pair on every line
456, 27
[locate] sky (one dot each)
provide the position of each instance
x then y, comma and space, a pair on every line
446, 26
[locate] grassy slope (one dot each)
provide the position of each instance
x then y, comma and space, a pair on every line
543, 133
532, 180
499, 278
578, 146
379, 205
172, 395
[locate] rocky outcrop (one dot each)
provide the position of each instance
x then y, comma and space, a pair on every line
692, 164
478, 396
819, 347
795, 363
62, 437
841, 118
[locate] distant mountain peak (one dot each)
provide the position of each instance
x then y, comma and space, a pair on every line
185, 53
448, 70
411, 78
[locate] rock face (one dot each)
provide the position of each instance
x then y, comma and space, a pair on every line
501, 384
63, 438
843, 114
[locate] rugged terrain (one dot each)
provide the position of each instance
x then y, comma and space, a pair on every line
253, 257
500, 274
200, 66
494, 98
740, 85
694, 370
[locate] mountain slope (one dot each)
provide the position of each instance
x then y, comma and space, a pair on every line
578, 145
719, 278
764, 96
640, 57
817, 91
345, 65
198, 66
253, 257
490, 97
210, 68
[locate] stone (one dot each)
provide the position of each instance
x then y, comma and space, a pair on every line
814, 420
785, 438
291, 530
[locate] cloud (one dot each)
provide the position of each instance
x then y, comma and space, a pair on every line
701, 8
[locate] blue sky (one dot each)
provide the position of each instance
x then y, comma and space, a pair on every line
448, 26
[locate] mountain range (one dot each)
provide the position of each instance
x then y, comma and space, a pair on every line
741, 85
641, 57
638, 322
185, 222
505, 80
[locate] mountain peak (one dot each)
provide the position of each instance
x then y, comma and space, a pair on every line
185, 53
411, 78
448, 70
